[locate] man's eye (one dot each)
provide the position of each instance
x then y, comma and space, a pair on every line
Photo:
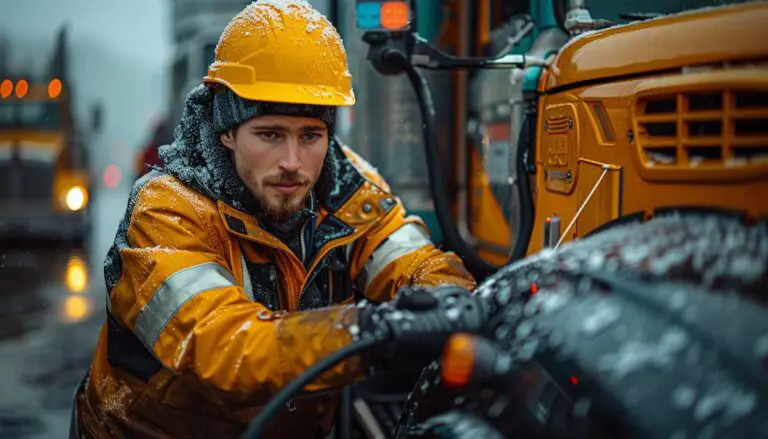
310, 137
269, 135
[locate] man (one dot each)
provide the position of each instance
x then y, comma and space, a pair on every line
226, 263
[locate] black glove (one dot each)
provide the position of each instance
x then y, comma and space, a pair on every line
416, 324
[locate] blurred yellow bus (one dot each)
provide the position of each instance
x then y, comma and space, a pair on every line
45, 186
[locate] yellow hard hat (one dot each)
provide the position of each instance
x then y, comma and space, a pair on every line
283, 51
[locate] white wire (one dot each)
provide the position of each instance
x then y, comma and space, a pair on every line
581, 208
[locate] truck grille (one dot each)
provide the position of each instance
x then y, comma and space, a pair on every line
704, 134
25, 181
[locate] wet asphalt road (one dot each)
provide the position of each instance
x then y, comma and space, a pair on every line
50, 314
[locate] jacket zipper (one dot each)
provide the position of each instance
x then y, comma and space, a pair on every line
310, 271
291, 404
303, 244
306, 239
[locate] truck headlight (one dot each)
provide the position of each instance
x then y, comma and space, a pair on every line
76, 198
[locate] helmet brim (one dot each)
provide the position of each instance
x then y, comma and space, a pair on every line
289, 93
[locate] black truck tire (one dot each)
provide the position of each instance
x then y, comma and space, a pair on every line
650, 330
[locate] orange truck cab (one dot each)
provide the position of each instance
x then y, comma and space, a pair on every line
630, 110
663, 114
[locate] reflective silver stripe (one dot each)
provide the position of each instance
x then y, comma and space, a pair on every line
177, 290
402, 241
247, 286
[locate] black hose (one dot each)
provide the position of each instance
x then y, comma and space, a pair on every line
270, 410
457, 425
525, 196
479, 268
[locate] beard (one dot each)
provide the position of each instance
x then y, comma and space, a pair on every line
280, 206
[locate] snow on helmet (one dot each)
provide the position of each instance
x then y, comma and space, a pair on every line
283, 51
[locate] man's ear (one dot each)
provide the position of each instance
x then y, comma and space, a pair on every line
228, 139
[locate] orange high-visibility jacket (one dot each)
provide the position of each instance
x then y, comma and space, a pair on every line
209, 315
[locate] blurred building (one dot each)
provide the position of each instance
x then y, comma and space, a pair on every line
196, 27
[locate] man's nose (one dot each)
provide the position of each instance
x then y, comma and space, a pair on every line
291, 159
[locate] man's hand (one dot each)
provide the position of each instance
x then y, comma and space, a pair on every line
417, 323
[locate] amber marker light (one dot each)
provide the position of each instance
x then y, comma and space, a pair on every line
22, 87
394, 15
6, 88
458, 360
54, 88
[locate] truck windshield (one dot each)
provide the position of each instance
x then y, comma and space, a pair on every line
23, 114
614, 9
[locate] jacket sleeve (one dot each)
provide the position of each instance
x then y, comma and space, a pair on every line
397, 252
180, 297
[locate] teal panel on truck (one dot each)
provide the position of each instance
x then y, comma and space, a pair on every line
430, 18
543, 15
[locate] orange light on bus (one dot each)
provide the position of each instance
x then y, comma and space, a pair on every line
6, 88
54, 88
22, 87
394, 15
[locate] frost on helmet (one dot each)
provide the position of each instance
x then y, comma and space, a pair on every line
263, 16
290, 50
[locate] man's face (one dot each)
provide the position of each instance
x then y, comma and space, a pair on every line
279, 158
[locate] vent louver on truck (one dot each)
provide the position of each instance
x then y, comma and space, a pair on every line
715, 134
559, 124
